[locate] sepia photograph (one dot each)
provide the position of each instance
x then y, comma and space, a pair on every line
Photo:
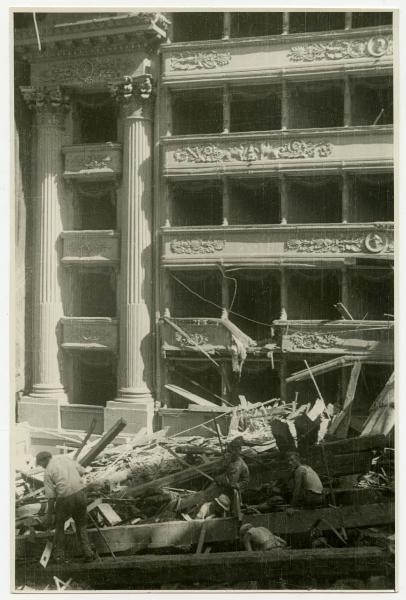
203, 287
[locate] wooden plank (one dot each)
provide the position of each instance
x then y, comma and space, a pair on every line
202, 536
330, 563
104, 441
190, 396
325, 367
123, 538
341, 423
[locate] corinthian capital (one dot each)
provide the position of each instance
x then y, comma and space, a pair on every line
51, 103
134, 94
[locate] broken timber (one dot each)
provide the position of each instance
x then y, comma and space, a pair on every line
179, 534
104, 441
265, 567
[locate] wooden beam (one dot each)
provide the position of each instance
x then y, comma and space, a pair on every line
329, 563
340, 425
104, 441
179, 534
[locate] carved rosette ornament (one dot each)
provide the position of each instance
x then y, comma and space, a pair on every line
50, 104
194, 61
374, 47
134, 95
374, 242
197, 246
249, 152
313, 341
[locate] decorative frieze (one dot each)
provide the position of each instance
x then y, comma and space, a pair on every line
87, 333
92, 160
374, 47
313, 341
87, 72
194, 61
250, 152
192, 339
197, 246
373, 242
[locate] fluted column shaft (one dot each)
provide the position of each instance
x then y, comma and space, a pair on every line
135, 357
50, 114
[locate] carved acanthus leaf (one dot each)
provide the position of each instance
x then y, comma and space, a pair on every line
374, 47
52, 98
313, 341
197, 246
373, 242
192, 61
250, 152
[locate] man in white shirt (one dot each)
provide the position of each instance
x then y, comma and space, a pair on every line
66, 498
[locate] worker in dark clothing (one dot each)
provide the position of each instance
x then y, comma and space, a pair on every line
307, 487
66, 498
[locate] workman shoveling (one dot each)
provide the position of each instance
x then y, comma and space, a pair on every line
66, 498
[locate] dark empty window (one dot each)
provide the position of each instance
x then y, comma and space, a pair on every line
95, 294
96, 378
372, 198
254, 201
96, 119
204, 288
258, 298
371, 294
196, 203
372, 101
255, 108
197, 111
371, 19
95, 207
316, 105
200, 378
302, 22
312, 294
247, 24
314, 200
191, 26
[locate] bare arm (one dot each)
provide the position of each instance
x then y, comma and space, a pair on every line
247, 542
298, 485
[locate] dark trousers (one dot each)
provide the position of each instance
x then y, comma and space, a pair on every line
72, 506
311, 499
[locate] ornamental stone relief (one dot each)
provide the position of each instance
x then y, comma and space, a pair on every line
192, 339
252, 152
313, 341
87, 71
374, 47
197, 246
192, 61
373, 242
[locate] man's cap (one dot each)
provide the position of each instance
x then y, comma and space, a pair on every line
223, 501
41, 456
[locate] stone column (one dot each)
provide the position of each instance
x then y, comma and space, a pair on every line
41, 407
134, 400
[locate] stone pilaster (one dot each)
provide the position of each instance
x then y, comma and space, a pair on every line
41, 407
134, 399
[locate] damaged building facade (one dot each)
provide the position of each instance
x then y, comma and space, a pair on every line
205, 201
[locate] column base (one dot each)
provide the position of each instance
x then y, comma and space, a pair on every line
40, 411
138, 413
